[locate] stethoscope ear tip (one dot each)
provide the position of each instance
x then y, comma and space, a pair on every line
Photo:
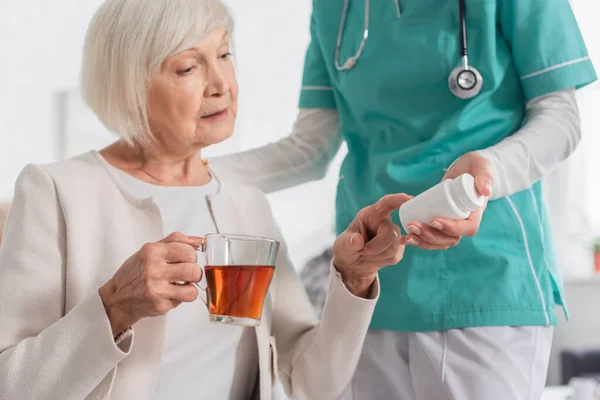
350, 63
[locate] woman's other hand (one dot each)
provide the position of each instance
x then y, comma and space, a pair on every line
145, 286
443, 233
371, 242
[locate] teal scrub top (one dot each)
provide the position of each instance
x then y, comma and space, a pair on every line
404, 128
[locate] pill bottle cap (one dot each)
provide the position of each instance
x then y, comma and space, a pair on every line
465, 195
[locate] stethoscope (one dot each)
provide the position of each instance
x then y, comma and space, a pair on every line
464, 81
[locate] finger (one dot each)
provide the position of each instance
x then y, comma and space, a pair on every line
430, 235
182, 272
163, 306
349, 243
387, 235
178, 237
410, 240
430, 247
451, 227
385, 206
384, 255
178, 253
183, 293
481, 169
392, 257
413, 241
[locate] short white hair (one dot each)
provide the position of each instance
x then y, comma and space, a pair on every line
127, 42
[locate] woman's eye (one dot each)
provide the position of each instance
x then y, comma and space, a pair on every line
186, 71
225, 56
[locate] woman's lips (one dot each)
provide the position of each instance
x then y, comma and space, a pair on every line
218, 116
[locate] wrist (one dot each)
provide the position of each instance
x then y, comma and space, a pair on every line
358, 285
119, 320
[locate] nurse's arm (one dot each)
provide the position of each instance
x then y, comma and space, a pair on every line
303, 156
551, 133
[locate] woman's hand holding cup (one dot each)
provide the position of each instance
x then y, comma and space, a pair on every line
371, 242
146, 284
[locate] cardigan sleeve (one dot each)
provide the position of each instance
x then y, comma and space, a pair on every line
316, 359
45, 352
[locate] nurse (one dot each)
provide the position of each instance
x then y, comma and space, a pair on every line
423, 90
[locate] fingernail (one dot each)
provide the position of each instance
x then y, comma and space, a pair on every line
196, 238
489, 186
413, 229
437, 225
353, 239
412, 242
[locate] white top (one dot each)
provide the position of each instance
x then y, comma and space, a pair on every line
201, 359
550, 134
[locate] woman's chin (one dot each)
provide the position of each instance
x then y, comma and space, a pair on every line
219, 137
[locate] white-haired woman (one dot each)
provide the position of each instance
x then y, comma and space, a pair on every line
92, 304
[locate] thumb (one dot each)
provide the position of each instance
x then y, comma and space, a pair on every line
481, 169
484, 184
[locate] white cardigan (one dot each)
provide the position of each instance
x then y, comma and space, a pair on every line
71, 227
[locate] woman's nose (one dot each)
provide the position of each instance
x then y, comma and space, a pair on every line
218, 85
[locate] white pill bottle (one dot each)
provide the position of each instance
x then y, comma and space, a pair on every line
452, 198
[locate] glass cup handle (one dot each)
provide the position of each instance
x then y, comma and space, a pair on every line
201, 289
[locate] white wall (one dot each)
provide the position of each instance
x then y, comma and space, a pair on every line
40, 46
587, 13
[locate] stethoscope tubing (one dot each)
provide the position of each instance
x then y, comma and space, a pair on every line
454, 81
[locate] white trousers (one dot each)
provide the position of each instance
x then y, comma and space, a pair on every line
492, 363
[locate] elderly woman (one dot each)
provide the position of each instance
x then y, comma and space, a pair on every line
96, 291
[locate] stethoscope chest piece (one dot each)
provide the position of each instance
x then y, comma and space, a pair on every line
465, 83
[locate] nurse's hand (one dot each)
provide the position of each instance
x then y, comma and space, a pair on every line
445, 233
371, 242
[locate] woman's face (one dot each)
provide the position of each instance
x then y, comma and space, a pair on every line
192, 101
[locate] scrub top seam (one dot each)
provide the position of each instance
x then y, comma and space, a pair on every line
398, 12
554, 67
319, 88
539, 219
492, 310
529, 258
